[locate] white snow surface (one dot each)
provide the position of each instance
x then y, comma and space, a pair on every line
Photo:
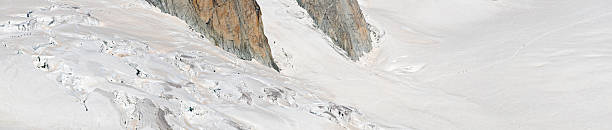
437, 64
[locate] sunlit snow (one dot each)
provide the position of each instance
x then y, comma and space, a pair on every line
436, 64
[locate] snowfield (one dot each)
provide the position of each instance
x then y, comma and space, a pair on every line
436, 64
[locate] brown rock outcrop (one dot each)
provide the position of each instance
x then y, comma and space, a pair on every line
234, 25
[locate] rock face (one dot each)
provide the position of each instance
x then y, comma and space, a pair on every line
343, 22
234, 25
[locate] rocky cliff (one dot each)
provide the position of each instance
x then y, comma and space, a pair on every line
343, 22
234, 25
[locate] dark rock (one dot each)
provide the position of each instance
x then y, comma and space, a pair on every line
343, 22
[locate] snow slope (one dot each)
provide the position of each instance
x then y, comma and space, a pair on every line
437, 64
463, 64
523, 65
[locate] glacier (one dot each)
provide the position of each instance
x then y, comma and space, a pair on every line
434, 64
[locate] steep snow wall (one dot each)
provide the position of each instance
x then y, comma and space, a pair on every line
343, 22
234, 25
